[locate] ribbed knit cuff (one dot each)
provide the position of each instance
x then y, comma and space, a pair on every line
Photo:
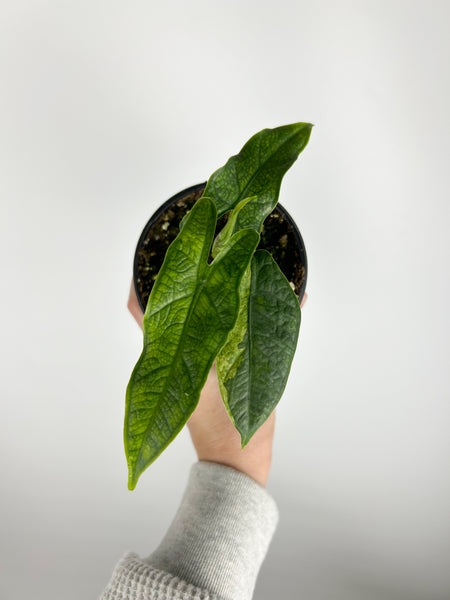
220, 534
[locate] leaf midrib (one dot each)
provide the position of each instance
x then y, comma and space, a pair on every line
250, 349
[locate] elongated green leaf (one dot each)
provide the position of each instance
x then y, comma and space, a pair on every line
248, 214
225, 234
254, 364
258, 168
191, 310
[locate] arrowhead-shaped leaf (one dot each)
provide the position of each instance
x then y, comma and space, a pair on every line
192, 308
254, 364
258, 168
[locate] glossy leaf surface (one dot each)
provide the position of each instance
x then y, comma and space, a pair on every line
248, 214
190, 312
258, 168
254, 364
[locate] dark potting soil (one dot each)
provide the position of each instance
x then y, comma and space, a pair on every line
277, 237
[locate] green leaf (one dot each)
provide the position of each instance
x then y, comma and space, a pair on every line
183, 220
248, 214
254, 364
258, 168
190, 312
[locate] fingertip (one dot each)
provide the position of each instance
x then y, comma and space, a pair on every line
304, 299
133, 306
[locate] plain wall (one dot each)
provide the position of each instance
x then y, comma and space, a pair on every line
109, 108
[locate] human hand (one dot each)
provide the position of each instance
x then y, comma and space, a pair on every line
213, 434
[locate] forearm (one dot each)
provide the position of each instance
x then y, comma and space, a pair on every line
214, 547
221, 533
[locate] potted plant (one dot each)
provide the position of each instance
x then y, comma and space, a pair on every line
218, 296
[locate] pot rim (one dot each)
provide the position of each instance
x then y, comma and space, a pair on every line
195, 188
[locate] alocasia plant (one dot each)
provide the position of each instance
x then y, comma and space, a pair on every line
239, 310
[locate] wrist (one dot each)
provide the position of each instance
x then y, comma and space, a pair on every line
254, 460
258, 470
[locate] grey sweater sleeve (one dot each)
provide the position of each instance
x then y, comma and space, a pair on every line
214, 547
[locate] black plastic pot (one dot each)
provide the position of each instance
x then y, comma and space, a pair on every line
280, 236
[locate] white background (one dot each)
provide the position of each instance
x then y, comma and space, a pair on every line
109, 108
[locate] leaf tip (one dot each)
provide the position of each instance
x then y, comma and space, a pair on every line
245, 438
132, 479
308, 127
